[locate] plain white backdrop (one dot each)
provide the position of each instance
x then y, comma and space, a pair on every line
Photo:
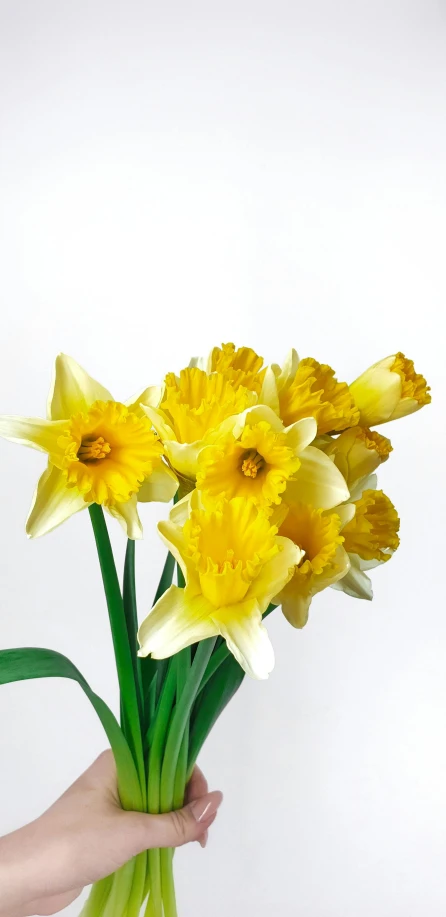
177, 175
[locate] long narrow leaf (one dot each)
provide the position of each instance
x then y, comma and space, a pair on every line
31, 662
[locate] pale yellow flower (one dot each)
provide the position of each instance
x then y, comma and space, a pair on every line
233, 562
324, 560
255, 456
357, 452
388, 390
307, 388
191, 407
99, 451
370, 537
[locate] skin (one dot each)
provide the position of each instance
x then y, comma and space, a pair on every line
86, 835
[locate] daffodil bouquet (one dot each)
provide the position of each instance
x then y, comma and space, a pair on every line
271, 471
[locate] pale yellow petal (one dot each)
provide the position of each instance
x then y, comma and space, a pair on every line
346, 513
269, 394
160, 487
159, 422
377, 394
183, 457
317, 481
299, 435
247, 638
150, 396
53, 502
275, 573
296, 609
355, 582
32, 431
173, 538
127, 516
289, 368
73, 389
175, 621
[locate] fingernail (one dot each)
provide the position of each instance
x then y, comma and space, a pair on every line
203, 809
204, 839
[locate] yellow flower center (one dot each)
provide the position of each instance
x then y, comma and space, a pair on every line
414, 384
372, 533
197, 402
256, 466
107, 452
228, 548
316, 533
92, 449
252, 463
315, 392
240, 366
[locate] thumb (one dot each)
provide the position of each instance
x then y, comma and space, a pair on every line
179, 827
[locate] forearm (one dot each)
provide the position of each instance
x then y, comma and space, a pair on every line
21, 878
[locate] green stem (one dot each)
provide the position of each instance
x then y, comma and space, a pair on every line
131, 618
179, 721
120, 891
183, 662
121, 644
167, 882
154, 907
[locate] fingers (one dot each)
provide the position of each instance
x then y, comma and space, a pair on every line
175, 828
197, 786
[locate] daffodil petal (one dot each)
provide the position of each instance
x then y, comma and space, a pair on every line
32, 431
300, 434
73, 389
160, 487
296, 609
346, 513
275, 573
173, 538
247, 638
252, 415
377, 395
127, 516
317, 481
269, 394
184, 457
176, 621
369, 482
289, 368
53, 502
158, 419
150, 396
355, 583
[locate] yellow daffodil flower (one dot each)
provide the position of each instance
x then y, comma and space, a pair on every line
254, 456
357, 452
233, 562
307, 388
99, 451
389, 389
240, 366
324, 560
191, 407
370, 537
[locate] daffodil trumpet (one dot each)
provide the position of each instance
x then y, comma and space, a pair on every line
273, 475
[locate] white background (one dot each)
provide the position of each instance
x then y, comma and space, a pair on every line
174, 175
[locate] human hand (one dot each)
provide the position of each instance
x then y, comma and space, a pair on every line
86, 835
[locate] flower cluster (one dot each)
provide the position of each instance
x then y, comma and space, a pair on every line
279, 497
273, 471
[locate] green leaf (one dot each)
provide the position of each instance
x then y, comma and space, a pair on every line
211, 702
32, 662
